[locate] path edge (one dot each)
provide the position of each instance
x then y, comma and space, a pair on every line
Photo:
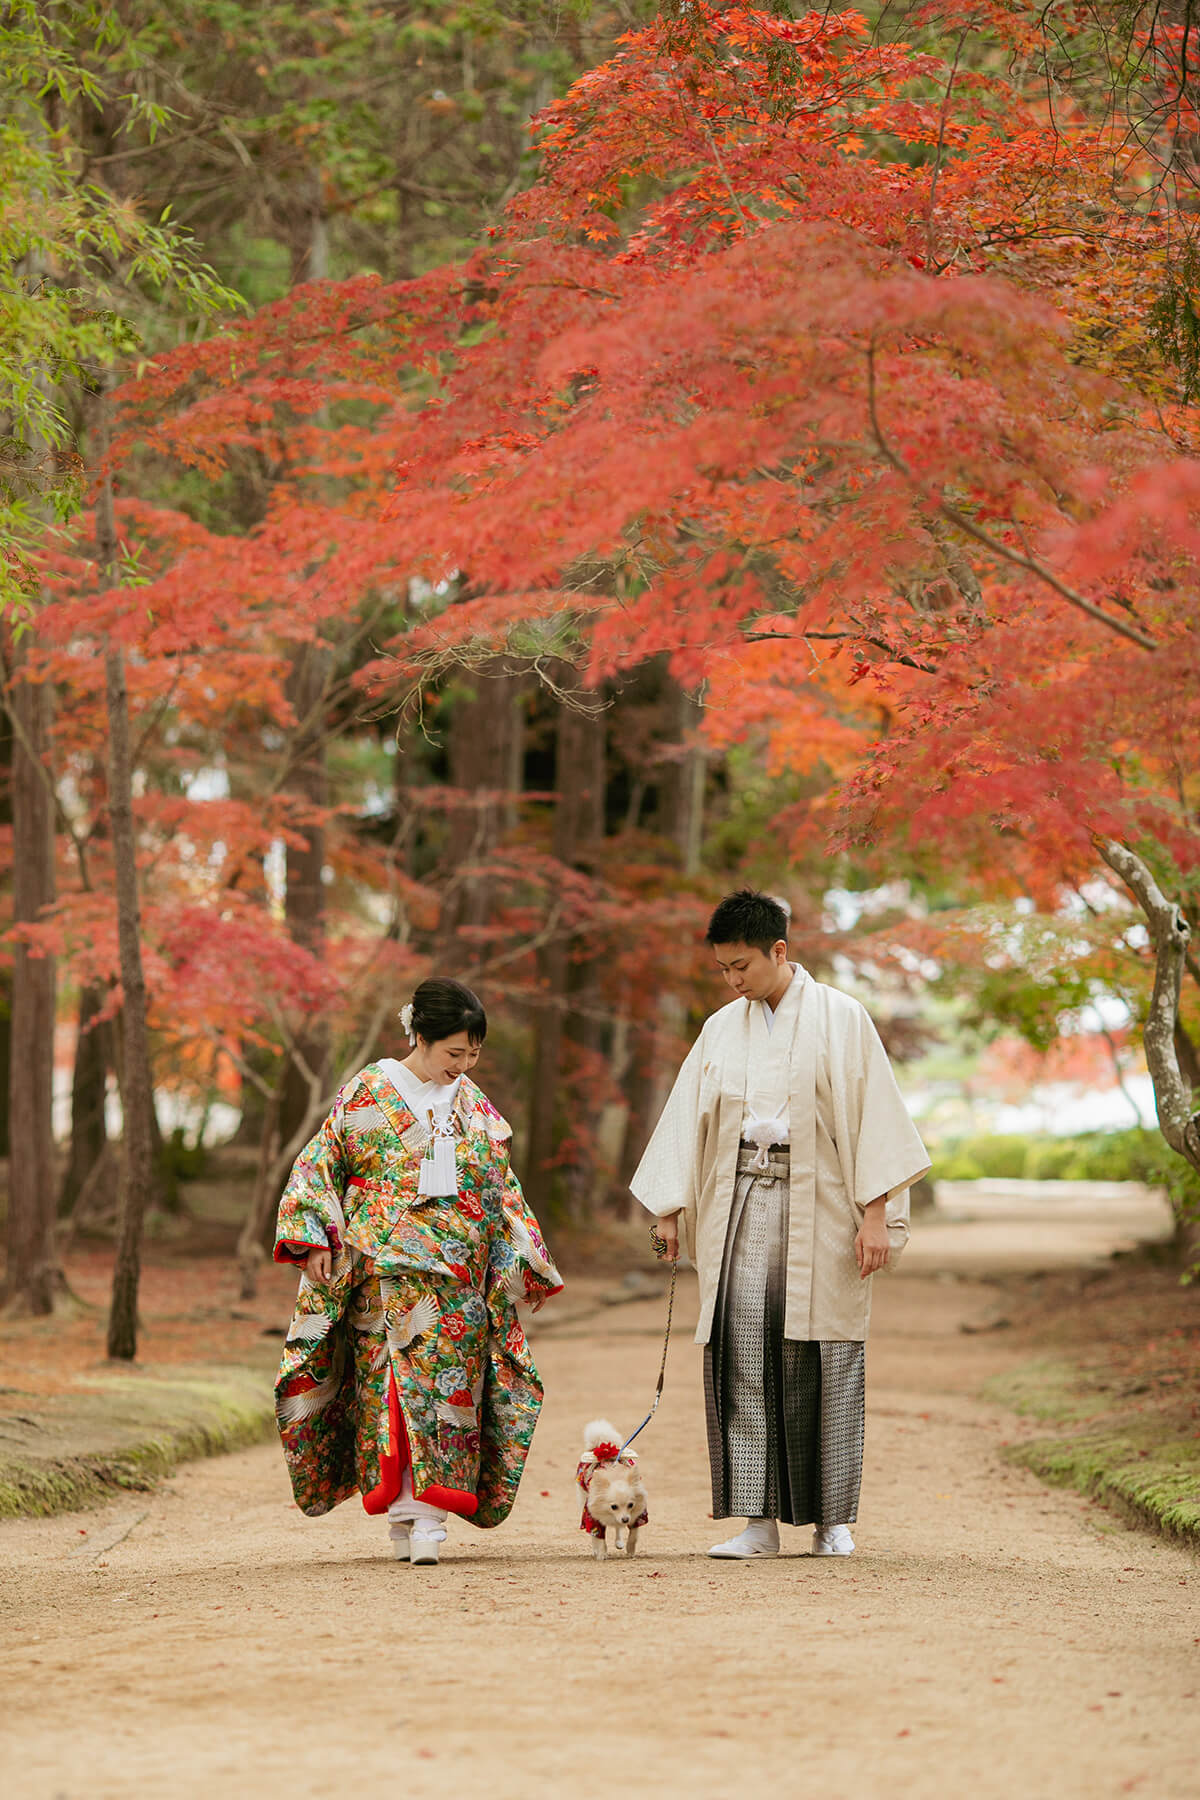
223, 1416
1149, 1491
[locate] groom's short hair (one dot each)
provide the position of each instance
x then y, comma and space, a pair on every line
748, 917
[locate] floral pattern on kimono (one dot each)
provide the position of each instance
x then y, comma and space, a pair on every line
412, 1353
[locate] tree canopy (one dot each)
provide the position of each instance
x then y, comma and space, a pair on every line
780, 448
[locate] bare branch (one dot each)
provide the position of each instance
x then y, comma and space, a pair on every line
996, 545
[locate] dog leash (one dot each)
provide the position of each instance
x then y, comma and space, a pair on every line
656, 1240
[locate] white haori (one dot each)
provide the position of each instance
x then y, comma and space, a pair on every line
433, 1106
852, 1141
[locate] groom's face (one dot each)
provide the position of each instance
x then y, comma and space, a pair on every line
749, 971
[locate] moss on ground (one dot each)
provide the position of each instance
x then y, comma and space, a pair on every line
1147, 1465
1154, 1483
126, 1432
1050, 1389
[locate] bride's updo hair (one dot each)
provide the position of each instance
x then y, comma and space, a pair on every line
441, 1008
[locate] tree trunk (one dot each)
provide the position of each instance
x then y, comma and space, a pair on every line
1173, 1095
693, 779
89, 1087
546, 1072
263, 1202
485, 753
33, 1276
304, 899
650, 1075
275, 1160
565, 1021
6, 775
137, 1092
137, 1088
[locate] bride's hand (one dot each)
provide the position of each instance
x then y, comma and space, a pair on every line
318, 1265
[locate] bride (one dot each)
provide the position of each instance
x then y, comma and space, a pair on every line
406, 1375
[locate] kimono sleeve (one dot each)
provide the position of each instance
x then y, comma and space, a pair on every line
879, 1144
311, 1216
665, 1179
519, 1263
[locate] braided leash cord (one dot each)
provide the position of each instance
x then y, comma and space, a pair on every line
660, 1250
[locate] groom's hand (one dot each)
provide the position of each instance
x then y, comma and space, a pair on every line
668, 1231
871, 1247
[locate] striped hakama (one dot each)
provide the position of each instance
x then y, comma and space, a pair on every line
785, 1418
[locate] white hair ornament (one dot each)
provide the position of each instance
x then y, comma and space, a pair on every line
406, 1018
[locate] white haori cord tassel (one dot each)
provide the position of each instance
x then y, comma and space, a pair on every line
765, 1133
439, 1172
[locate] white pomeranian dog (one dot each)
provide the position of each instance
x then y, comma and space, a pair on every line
612, 1491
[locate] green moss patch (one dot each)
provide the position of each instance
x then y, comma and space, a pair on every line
1050, 1389
126, 1431
1125, 1435
1153, 1481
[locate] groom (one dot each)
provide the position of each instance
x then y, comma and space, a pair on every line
786, 1149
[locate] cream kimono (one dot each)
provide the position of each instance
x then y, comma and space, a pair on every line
851, 1137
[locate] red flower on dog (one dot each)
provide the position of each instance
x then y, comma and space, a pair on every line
515, 1339
455, 1326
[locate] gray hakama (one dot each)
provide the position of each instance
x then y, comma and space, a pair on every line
785, 1418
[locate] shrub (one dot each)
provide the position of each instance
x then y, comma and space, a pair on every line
1001, 1156
956, 1165
1051, 1160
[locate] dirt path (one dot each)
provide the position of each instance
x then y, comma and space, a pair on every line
990, 1638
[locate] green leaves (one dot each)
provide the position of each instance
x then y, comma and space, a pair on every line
79, 265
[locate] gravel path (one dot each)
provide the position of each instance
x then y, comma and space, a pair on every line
990, 1638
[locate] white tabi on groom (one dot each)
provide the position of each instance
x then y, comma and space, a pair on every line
788, 1151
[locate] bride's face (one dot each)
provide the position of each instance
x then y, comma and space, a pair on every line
446, 1058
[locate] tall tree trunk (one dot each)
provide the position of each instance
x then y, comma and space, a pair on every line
260, 1214
304, 895
137, 1088
89, 1090
33, 1277
485, 745
304, 898
6, 774
650, 1076
1175, 1098
565, 1019
137, 1092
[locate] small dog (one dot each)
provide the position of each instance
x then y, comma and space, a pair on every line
612, 1491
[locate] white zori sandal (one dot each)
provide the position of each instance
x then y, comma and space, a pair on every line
760, 1538
832, 1540
400, 1534
427, 1538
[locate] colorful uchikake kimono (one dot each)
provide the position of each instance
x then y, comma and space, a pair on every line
411, 1355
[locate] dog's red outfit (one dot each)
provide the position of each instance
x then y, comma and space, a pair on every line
599, 1456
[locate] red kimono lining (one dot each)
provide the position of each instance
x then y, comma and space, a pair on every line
397, 1457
